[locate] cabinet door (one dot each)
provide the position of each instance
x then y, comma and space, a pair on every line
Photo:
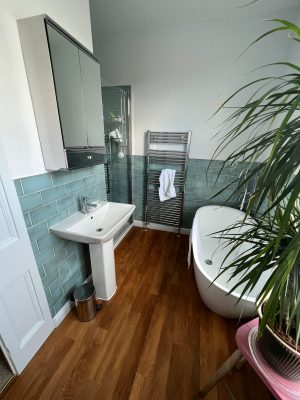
67, 79
91, 85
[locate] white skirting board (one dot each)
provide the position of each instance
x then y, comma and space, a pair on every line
64, 311
160, 227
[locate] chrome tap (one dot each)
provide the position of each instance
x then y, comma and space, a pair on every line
85, 206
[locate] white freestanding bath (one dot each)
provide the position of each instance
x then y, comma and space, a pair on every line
209, 253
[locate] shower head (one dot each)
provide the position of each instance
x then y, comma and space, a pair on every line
116, 136
121, 153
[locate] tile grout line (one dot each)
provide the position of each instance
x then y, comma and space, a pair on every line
21, 187
96, 191
49, 187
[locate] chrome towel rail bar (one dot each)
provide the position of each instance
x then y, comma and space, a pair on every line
166, 150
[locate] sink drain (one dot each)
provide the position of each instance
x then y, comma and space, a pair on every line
99, 229
208, 262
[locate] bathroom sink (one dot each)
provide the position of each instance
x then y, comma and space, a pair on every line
98, 226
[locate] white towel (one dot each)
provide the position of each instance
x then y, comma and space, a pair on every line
166, 188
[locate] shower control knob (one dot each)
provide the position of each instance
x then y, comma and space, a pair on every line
89, 157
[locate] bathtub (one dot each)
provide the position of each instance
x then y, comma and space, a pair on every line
208, 253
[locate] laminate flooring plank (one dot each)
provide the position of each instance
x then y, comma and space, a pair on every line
154, 340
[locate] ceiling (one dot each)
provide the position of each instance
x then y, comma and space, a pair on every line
112, 17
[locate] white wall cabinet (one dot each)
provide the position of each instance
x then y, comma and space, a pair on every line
92, 98
65, 85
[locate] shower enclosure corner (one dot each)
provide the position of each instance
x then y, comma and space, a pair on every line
117, 130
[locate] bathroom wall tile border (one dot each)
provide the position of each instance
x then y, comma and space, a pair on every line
45, 200
202, 183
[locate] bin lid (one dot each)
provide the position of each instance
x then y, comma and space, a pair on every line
84, 292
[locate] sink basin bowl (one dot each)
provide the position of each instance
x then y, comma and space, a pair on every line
98, 226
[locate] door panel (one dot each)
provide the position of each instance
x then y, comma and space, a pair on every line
25, 319
67, 78
8, 232
91, 85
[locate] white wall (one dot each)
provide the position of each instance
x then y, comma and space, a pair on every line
18, 130
180, 75
294, 48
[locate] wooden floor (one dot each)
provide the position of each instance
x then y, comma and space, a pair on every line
154, 340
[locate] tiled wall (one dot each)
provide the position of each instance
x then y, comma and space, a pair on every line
201, 184
138, 166
45, 200
120, 183
114, 99
48, 198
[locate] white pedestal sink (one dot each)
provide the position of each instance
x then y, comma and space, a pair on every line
97, 228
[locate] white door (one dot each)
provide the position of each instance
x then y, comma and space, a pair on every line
25, 319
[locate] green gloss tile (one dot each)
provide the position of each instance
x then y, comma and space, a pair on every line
30, 202
42, 213
74, 209
57, 218
86, 192
67, 202
36, 183
90, 181
74, 187
44, 255
50, 277
76, 266
27, 219
64, 267
72, 246
59, 282
97, 169
53, 194
82, 173
18, 187
46, 240
54, 262
60, 303
60, 245
53, 312
55, 296
41, 272
72, 283
35, 247
72, 258
61, 177
37, 231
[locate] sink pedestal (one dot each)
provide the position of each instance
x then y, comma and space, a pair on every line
98, 228
103, 269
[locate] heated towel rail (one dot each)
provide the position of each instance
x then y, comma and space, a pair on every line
166, 150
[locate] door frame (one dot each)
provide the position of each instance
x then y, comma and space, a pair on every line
7, 356
6, 177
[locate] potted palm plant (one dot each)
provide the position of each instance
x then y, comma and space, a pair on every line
272, 115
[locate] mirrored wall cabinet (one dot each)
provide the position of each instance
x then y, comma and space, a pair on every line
65, 86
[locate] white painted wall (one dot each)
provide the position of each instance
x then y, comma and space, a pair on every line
180, 75
18, 130
294, 48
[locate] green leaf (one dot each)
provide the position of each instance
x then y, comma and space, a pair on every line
271, 120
